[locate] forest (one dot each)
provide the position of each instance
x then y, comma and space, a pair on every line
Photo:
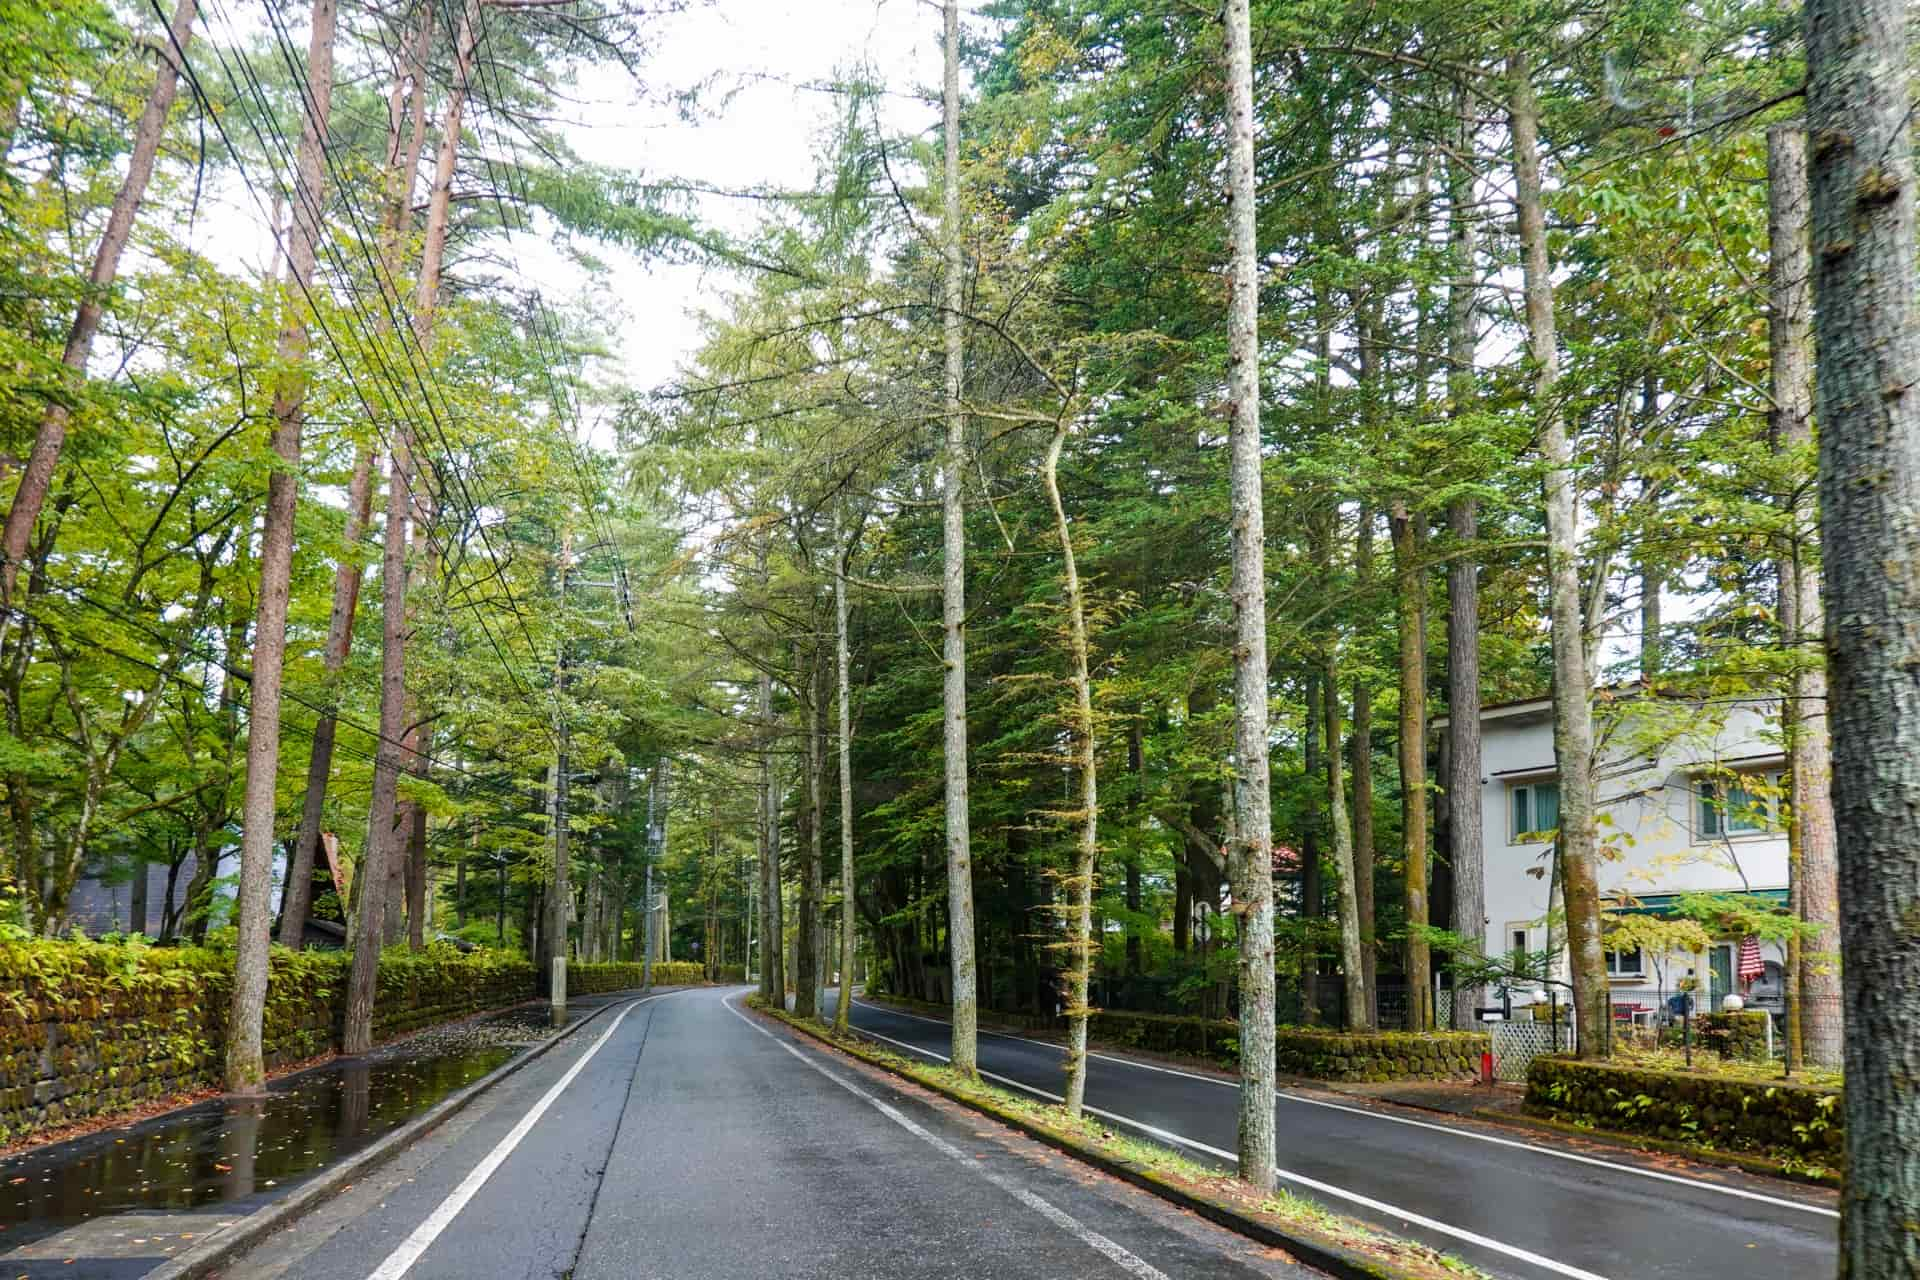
1076, 558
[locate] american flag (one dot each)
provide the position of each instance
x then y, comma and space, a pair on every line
1751, 964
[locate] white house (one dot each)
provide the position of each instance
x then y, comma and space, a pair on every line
1689, 800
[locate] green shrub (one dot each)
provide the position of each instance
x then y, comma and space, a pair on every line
677, 973
1317, 1054
1780, 1118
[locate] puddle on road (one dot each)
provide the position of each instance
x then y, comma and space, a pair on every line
239, 1149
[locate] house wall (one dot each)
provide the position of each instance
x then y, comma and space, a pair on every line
1654, 753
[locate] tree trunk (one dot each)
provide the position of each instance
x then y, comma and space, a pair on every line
1251, 859
1466, 852
36, 479
1136, 766
954, 586
773, 930
137, 898
1087, 839
1412, 599
1347, 902
843, 689
816, 850
1572, 684
409, 94
1311, 892
245, 1066
439, 204
1362, 765
806, 936
1816, 879
1859, 121
346, 599
369, 932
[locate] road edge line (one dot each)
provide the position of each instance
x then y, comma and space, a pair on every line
224, 1246
1326, 1255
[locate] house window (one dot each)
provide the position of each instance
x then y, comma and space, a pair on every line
1625, 964
1535, 812
1519, 946
1738, 806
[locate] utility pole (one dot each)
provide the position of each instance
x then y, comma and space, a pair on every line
561, 896
656, 844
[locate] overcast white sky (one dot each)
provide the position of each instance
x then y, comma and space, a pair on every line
759, 128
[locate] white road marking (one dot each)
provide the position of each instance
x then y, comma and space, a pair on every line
1536, 1149
1326, 1188
1128, 1261
427, 1232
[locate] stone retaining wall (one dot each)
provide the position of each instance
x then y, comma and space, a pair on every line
1772, 1117
88, 1029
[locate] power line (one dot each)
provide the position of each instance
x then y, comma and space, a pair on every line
306, 200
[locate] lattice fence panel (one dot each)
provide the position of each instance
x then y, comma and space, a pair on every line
1517, 1044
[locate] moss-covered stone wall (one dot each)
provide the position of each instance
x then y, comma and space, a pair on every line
88, 1029
1382, 1055
1772, 1117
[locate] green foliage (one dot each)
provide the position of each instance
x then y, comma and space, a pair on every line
1725, 1112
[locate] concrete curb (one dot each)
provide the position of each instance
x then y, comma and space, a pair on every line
264, 1221
1326, 1255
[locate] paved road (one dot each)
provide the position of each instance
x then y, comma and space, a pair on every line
688, 1140
1517, 1207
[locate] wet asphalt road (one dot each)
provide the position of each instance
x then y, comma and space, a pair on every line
1515, 1206
690, 1141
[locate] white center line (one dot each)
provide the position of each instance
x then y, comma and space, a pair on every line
1616, 1166
427, 1232
1128, 1261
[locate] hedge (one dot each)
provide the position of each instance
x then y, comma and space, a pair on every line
1381, 1055
1299, 1051
593, 979
1303, 1051
1779, 1118
90, 1028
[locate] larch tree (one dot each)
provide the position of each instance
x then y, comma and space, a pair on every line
1466, 845
36, 477
245, 1065
1085, 819
1813, 854
1867, 331
1577, 843
1251, 856
953, 458
406, 136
